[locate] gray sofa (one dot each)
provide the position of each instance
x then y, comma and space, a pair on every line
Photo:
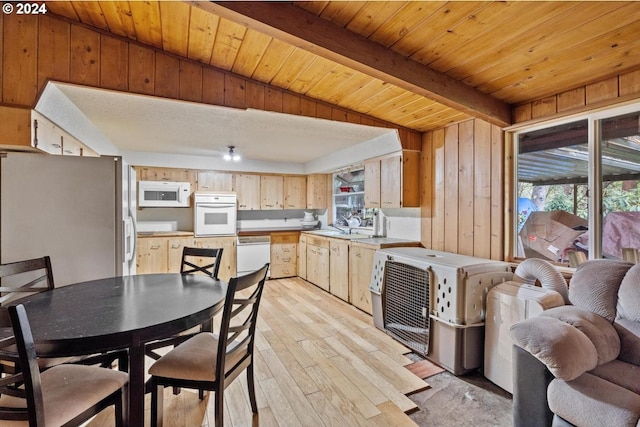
579, 364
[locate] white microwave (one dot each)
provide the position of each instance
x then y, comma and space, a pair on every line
164, 194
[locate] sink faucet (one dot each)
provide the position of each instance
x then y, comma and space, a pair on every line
339, 229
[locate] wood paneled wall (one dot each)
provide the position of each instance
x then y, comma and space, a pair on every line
621, 88
36, 48
462, 194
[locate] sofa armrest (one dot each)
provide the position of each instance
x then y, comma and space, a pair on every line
565, 350
530, 381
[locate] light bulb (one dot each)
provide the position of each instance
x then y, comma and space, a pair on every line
227, 157
236, 157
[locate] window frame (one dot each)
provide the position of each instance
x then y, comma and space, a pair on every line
594, 179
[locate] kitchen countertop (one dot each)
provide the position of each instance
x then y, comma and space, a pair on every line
165, 234
265, 231
360, 240
385, 242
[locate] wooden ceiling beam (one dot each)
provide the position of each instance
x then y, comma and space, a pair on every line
307, 31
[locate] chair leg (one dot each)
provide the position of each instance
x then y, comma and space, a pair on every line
119, 409
252, 389
219, 404
157, 403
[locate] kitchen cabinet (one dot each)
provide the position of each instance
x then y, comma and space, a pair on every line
214, 181
318, 262
228, 261
50, 138
360, 267
372, 184
302, 256
295, 192
317, 186
284, 255
271, 192
151, 253
339, 268
146, 173
174, 252
397, 181
164, 254
247, 188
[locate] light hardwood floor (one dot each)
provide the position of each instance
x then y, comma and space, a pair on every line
319, 362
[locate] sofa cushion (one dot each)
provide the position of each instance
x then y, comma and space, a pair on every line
600, 331
592, 401
595, 285
624, 374
629, 332
565, 350
629, 295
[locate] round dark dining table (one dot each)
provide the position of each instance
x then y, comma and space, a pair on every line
122, 313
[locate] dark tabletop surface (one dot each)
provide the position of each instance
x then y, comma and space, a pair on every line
104, 314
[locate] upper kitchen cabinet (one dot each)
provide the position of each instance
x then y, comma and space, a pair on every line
271, 192
295, 192
372, 180
214, 181
146, 173
317, 186
248, 189
50, 138
397, 179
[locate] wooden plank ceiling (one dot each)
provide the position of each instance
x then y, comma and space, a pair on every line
465, 58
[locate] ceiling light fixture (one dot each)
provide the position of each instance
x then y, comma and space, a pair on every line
231, 155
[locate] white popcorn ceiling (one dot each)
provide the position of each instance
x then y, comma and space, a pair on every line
113, 122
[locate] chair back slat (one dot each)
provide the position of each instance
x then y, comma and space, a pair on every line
21, 279
239, 317
190, 265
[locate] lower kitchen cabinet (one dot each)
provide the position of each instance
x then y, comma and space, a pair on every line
318, 262
164, 254
151, 253
284, 255
360, 267
302, 256
339, 268
175, 246
228, 245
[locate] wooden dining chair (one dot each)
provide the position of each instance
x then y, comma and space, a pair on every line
211, 362
194, 260
23, 278
64, 395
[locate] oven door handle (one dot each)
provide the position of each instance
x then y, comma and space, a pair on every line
215, 206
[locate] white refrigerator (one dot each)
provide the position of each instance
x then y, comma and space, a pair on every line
78, 210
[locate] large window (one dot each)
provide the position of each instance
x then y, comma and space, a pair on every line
577, 187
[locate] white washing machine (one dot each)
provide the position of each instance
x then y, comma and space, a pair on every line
508, 303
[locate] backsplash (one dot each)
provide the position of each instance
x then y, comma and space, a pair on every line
403, 223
